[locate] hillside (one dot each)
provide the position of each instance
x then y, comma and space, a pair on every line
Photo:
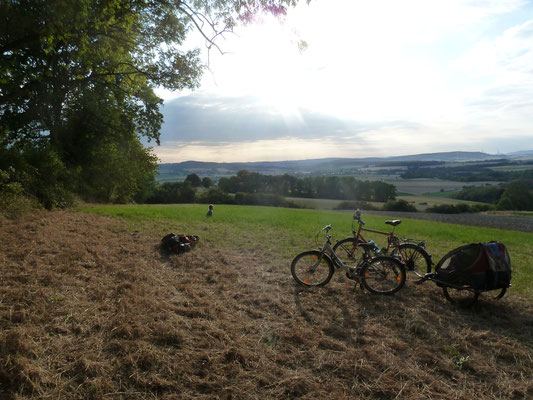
91, 309
338, 166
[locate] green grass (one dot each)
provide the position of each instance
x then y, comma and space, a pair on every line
290, 231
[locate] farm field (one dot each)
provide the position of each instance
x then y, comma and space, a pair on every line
425, 186
420, 202
90, 308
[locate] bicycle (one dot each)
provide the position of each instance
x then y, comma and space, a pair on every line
411, 252
379, 274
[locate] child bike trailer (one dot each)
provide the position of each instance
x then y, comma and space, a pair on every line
468, 271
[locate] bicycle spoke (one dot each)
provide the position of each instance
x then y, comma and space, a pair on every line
311, 269
384, 275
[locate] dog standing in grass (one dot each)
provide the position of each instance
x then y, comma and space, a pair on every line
210, 211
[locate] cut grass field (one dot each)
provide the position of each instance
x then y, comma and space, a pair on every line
90, 308
287, 231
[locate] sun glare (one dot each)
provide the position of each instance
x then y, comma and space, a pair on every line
357, 77
263, 60
373, 64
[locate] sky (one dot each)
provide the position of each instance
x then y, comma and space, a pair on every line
351, 78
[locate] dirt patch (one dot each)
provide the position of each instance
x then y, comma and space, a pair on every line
89, 309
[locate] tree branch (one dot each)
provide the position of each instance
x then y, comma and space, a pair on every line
193, 16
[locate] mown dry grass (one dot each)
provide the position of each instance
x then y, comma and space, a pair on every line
91, 310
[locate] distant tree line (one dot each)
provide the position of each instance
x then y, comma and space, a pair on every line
484, 194
196, 190
258, 189
316, 187
515, 195
468, 173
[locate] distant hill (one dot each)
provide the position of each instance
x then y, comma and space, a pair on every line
325, 166
526, 154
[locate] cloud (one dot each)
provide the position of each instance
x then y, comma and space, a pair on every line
211, 118
421, 77
501, 78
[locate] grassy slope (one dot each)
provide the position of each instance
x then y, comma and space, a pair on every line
89, 308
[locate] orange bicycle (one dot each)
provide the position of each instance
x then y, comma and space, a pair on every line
411, 252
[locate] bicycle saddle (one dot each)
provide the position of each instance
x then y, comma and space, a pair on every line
394, 222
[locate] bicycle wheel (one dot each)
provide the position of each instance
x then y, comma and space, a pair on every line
312, 268
417, 261
347, 252
460, 297
383, 275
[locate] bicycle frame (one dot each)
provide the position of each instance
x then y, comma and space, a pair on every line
392, 239
327, 248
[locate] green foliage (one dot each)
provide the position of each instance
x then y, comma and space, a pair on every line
485, 194
194, 180
76, 87
173, 192
399, 205
117, 171
146, 190
461, 361
207, 182
39, 171
13, 202
214, 195
321, 187
471, 172
517, 196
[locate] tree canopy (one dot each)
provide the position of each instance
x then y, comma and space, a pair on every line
77, 79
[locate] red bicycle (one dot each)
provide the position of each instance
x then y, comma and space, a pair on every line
411, 252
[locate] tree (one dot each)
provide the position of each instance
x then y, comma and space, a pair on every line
207, 182
53, 50
194, 180
63, 60
517, 196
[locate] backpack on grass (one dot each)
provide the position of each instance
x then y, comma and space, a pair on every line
481, 266
178, 244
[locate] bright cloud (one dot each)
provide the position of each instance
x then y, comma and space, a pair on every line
446, 75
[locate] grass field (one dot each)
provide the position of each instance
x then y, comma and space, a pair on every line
91, 308
289, 231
